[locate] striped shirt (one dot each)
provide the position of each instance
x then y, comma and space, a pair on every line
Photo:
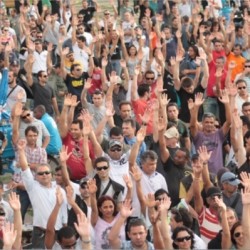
209, 224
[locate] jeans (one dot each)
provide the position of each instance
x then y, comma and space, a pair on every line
115, 65
211, 106
38, 237
24, 200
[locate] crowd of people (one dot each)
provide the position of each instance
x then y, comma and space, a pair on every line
146, 107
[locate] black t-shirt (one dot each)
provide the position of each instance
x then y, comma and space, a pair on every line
184, 96
43, 96
117, 51
75, 85
87, 13
215, 243
168, 84
2, 138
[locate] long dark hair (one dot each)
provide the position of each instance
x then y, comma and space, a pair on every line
180, 229
104, 198
235, 225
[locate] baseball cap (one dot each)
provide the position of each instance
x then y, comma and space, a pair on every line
230, 178
113, 143
14, 63
83, 181
213, 191
172, 133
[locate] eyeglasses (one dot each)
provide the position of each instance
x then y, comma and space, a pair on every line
39, 37
247, 66
69, 246
116, 149
2, 213
238, 234
44, 76
242, 87
102, 168
43, 173
150, 78
182, 239
25, 116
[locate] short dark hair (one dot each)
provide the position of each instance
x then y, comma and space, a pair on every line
245, 104
182, 215
148, 155
124, 103
31, 128
116, 131
39, 74
235, 225
77, 121
100, 159
130, 121
136, 222
160, 192
143, 89
180, 229
186, 82
65, 232
245, 121
172, 104
74, 65
81, 38
239, 81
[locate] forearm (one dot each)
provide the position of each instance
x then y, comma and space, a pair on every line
134, 154
226, 236
65, 174
55, 106
84, 98
45, 141
18, 227
205, 176
97, 147
246, 225
23, 160
71, 115
157, 236
165, 233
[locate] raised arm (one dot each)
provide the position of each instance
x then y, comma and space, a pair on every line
16, 113
164, 153
64, 52
92, 190
87, 86
21, 145
64, 156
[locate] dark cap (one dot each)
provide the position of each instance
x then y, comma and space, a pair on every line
113, 143
213, 191
195, 157
14, 63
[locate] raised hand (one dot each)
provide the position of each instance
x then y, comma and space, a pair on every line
14, 201
178, 34
87, 128
198, 99
64, 155
9, 235
92, 186
204, 155
236, 119
123, 63
179, 56
137, 70
190, 104
232, 91
88, 84
245, 179
67, 100
21, 145
203, 55
113, 77
83, 226
224, 98
146, 116
232, 65
172, 61
74, 101
220, 204
59, 196
69, 194
104, 62
136, 173
20, 95
164, 204
140, 136
109, 109
127, 181
151, 202
126, 210
164, 101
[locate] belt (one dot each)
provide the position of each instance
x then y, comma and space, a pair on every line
39, 229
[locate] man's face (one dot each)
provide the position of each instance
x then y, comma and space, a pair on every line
247, 67
43, 175
37, 114
58, 177
75, 130
173, 113
128, 130
115, 152
43, 78
218, 46
150, 78
80, 29
68, 243
208, 124
77, 71
149, 166
212, 203
31, 138
173, 223
237, 51
85, 4
246, 111
180, 157
125, 111
97, 100
229, 188
137, 235
102, 169
26, 116
10, 77
15, 68
231, 219
84, 190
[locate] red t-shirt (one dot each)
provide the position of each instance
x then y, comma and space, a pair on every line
212, 71
96, 81
76, 161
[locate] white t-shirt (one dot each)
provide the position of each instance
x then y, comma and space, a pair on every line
12, 98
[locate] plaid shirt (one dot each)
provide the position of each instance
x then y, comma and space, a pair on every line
36, 155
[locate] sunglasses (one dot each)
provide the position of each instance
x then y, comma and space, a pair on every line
44, 76
150, 78
69, 246
106, 14
241, 88
182, 239
25, 116
247, 66
78, 69
102, 168
2, 213
116, 150
43, 173
236, 235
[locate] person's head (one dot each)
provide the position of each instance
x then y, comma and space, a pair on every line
76, 129
137, 232
127, 16
247, 66
220, 62
129, 127
237, 235
172, 111
42, 77
31, 134
241, 87
125, 108
70, 58
215, 27
180, 217
239, 30
106, 207
187, 84
220, 172
247, 139
84, 189
229, 182
218, 45
11, 78
183, 238
39, 111
106, 14
172, 137
58, 176
85, 4
208, 121
167, 32
66, 238
76, 70
246, 109
148, 162
101, 166
144, 91
149, 77
161, 194
211, 193
237, 50
38, 45
193, 51
80, 29
97, 98
245, 124
115, 133
62, 29
26, 115
181, 156
132, 51
195, 161
115, 149
81, 41
232, 217
43, 174
15, 67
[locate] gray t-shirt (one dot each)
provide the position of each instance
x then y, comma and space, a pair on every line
213, 142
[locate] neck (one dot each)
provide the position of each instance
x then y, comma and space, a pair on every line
12, 85
144, 246
108, 219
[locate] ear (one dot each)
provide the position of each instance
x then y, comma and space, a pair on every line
128, 233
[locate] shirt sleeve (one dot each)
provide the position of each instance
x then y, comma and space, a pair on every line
44, 130
28, 179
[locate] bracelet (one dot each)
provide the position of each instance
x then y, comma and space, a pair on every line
86, 241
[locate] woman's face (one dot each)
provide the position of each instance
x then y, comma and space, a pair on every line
132, 51
238, 236
183, 240
107, 209
216, 28
191, 52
